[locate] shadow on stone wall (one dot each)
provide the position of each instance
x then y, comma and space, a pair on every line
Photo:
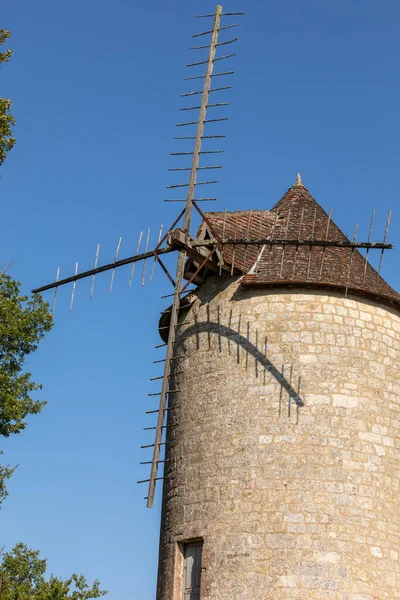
242, 341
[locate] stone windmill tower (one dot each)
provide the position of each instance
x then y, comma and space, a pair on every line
282, 461
281, 388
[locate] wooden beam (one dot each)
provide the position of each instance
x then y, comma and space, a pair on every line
180, 270
287, 242
177, 239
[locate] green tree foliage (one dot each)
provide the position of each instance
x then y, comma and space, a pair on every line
23, 323
23, 575
7, 121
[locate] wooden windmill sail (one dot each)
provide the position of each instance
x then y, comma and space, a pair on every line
294, 242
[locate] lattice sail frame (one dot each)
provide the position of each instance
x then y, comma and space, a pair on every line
200, 251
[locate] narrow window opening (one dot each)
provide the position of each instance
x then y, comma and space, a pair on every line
192, 553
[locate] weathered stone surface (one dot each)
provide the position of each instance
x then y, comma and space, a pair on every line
285, 447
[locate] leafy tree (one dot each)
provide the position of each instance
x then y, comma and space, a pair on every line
23, 323
23, 576
7, 121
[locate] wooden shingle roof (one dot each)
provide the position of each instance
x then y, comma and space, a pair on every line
297, 216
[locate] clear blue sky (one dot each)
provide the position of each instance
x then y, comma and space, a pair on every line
96, 88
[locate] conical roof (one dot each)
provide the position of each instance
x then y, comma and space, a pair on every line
297, 216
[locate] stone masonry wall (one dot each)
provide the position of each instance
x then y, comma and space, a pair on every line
284, 447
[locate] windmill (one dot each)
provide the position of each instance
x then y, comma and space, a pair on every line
295, 247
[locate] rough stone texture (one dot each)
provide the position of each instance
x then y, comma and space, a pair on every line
284, 447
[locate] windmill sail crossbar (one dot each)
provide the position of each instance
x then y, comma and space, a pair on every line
293, 242
102, 269
209, 243
180, 271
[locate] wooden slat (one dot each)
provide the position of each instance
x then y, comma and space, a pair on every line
180, 271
